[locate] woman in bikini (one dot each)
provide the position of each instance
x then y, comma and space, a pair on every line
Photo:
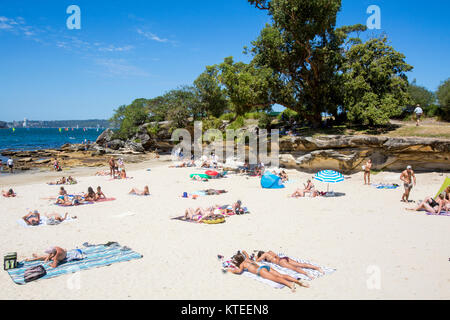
285, 262
433, 206
138, 192
8, 194
199, 214
243, 263
90, 195
32, 218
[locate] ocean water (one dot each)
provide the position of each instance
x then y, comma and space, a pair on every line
43, 138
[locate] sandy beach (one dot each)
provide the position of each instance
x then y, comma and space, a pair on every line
365, 230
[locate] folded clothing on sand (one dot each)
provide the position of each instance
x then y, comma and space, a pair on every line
92, 256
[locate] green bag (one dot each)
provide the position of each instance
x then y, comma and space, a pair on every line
10, 261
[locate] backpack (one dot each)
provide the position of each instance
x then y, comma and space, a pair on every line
34, 273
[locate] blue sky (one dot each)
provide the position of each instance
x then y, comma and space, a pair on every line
133, 49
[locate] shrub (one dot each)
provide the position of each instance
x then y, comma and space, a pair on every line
227, 116
237, 124
264, 121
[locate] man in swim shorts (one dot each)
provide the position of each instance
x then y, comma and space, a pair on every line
407, 177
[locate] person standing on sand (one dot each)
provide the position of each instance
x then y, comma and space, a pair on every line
366, 169
112, 167
419, 112
10, 164
407, 177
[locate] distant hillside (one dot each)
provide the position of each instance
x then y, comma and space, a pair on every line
94, 123
3, 125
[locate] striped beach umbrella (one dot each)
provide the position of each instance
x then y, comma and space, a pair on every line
329, 176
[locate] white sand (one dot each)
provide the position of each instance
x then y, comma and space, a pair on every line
367, 227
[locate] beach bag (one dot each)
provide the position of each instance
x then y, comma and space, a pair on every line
10, 261
34, 273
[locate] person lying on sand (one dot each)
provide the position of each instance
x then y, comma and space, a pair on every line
285, 262
9, 194
199, 214
100, 194
138, 192
32, 218
58, 182
90, 195
56, 218
71, 180
212, 192
283, 175
198, 178
243, 263
433, 206
55, 254
102, 173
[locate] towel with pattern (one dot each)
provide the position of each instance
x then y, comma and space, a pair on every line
93, 256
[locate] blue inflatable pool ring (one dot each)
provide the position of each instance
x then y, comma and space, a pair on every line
271, 181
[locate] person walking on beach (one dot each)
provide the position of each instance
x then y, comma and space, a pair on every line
10, 164
407, 177
366, 169
419, 112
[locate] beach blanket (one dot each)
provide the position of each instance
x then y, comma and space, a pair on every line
443, 213
385, 186
93, 257
182, 218
42, 222
289, 272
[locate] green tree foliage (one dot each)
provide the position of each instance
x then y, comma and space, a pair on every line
420, 95
443, 95
303, 49
247, 87
181, 104
212, 98
128, 118
375, 82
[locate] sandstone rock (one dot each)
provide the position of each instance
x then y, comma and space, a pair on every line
42, 161
104, 137
134, 147
115, 144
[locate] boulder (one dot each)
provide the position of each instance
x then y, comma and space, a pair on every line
115, 144
104, 137
134, 147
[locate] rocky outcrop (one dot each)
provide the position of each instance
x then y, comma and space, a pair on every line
348, 153
104, 137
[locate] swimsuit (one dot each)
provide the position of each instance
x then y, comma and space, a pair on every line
262, 267
285, 258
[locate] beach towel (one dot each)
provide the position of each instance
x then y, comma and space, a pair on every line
43, 222
385, 186
289, 272
105, 200
93, 257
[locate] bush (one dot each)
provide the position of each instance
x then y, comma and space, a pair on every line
254, 115
153, 129
288, 115
237, 124
211, 123
264, 121
433, 111
227, 116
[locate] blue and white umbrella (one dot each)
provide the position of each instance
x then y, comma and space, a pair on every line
329, 176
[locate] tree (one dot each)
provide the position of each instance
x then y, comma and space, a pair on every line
375, 83
181, 104
443, 95
420, 95
247, 87
212, 98
304, 50
129, 118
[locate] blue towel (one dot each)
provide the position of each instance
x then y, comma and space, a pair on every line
93, 257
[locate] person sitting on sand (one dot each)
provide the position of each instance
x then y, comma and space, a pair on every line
90, 195
32, 218
243, 263
309, 189
100, 194
71, 180
62, 191
433, 206
9, 194
55, 254
237, 207
123, 174
245, 168
285, 262
138, 192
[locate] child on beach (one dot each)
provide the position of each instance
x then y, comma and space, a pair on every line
100, 194
9, 194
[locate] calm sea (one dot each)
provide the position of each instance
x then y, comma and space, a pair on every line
43, 138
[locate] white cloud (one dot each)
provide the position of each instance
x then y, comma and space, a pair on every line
151, 36
112, 48
120, 67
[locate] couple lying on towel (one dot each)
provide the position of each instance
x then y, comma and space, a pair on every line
9, 194
34, 218
435, 206
242, 262
63, 180
199, 214
57, 255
